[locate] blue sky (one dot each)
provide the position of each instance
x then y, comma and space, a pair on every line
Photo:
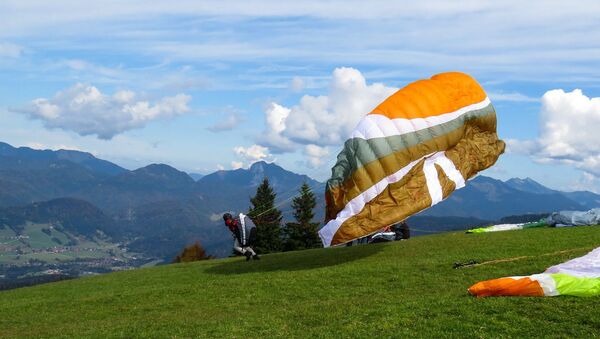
208, 85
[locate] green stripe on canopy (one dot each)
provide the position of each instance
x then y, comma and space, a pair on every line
358, 152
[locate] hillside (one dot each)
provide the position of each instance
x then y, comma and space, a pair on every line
49, 249
157, 209
59, 238
76, 216
402, 289
28, 175
150, 184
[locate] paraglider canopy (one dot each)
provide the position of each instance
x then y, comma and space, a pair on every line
408, 154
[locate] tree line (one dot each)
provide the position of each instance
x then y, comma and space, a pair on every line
275, 236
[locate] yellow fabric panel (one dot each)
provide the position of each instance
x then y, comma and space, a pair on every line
372, 173
395, 203
480, 153
477, 151
448, 186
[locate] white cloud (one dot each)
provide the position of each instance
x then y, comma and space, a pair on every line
23, 16
521, 146
230, 122
568, 131
275, 116
392, 38
37, 145
68, 148
327, 119
512, 97
317, 122
220, 167
40, 146
419, 37
315, 154
587, 182
570, 123
253, 153
127, 150
86, 111
64, 11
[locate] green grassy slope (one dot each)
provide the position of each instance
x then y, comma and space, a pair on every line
400, 289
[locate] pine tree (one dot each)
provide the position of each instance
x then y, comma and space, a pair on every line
267, 219
302, 234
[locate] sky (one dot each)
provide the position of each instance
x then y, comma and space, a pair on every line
207, 85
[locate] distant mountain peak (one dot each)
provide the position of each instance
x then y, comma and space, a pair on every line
523, 180
482, 179
262, 165
257, 167
259, 163
275, 173
158, 168
529, 185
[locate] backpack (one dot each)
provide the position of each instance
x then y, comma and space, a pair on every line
247, 231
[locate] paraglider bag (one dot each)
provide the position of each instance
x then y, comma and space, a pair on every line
247, 231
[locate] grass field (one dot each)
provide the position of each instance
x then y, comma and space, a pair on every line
39, 240
5, 234
39, 245
402, 289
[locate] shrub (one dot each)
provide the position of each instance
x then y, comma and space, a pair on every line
191, 253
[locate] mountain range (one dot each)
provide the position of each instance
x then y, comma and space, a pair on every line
491, 199
157, 209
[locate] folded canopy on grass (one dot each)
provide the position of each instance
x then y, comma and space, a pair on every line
578, 277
